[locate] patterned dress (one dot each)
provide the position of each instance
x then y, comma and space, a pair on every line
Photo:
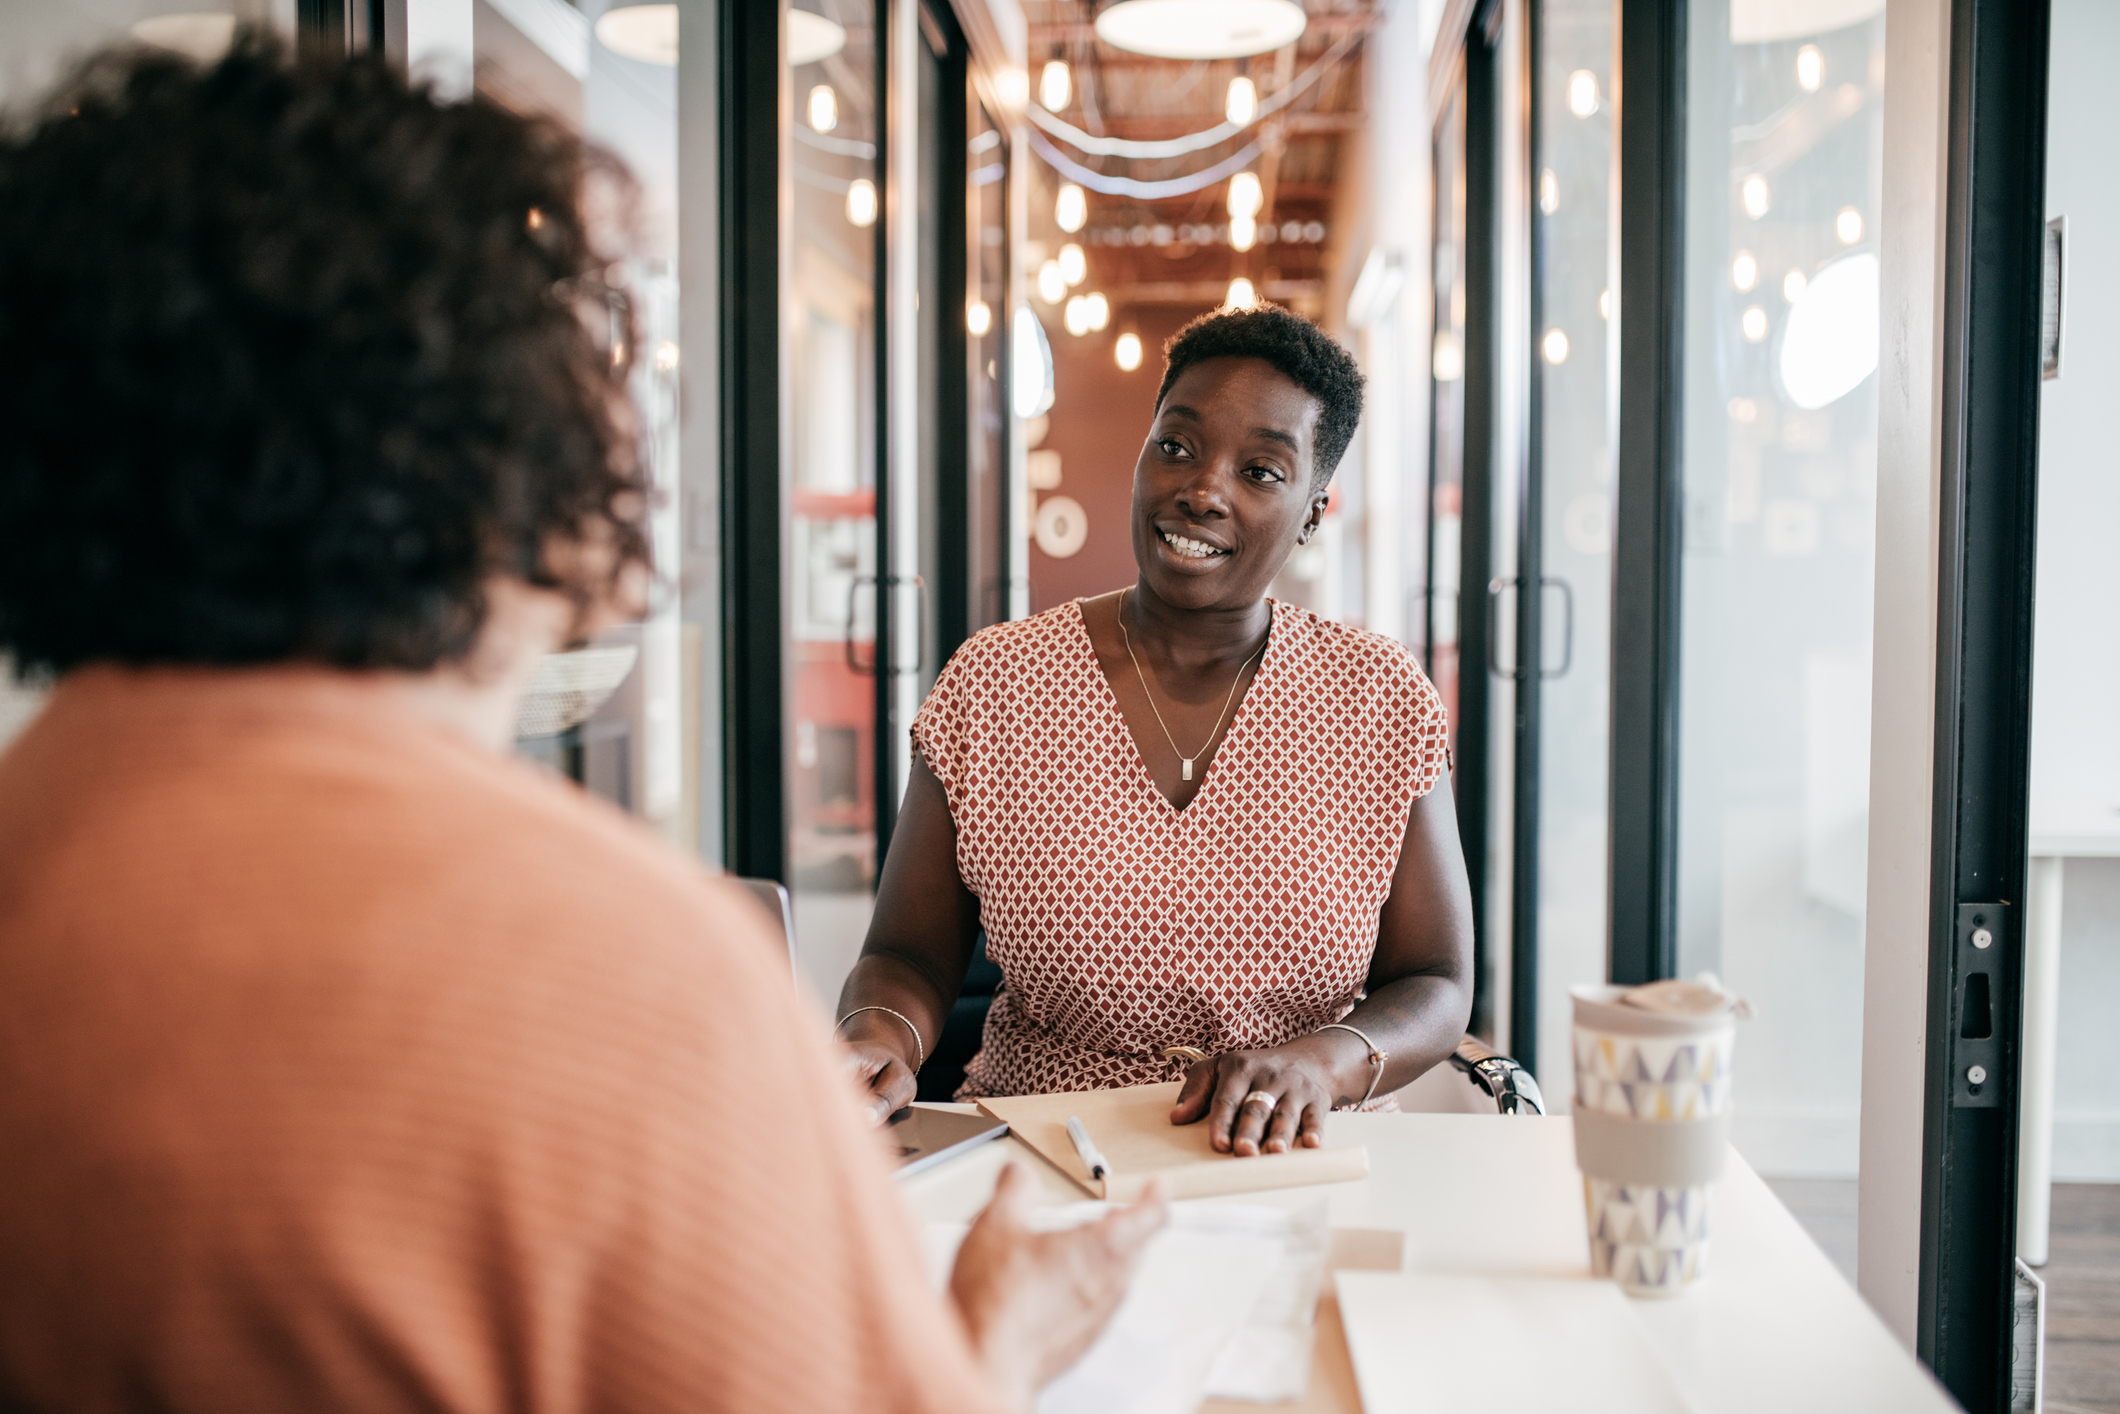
1122, 924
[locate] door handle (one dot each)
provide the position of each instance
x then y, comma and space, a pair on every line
1568, 626
854, 592
1494, 599
1494, 625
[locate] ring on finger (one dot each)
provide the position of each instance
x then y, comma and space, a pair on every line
1271, 1102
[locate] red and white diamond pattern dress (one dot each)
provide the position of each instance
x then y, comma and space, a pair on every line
1122, 924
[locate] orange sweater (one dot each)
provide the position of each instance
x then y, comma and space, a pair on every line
345, 1065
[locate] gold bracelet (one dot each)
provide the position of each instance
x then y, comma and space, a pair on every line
918, 1045
1377, 1055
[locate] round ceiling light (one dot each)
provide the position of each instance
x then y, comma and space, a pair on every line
644, 32
204, 37
812, 37
1201, 29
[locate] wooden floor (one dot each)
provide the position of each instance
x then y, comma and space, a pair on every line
2082, 1281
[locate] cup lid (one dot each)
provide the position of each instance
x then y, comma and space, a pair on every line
1670, 1007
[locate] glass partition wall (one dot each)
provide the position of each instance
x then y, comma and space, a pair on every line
1784, 148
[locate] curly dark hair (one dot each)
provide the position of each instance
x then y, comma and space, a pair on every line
1307, 354
293, 359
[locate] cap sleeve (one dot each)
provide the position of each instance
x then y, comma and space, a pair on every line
941, 731
1430, 722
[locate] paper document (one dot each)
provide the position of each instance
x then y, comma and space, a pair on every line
1132, 1127
1426, 1344
1221, 1303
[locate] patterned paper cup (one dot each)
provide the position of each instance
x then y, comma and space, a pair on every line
1652, 1126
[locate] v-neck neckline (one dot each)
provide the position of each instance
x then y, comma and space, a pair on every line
1116, 716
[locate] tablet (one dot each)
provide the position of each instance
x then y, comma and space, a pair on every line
926, 1138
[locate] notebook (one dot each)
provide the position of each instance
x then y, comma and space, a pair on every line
1132, 1129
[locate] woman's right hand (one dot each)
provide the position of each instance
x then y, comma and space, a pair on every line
879, 1067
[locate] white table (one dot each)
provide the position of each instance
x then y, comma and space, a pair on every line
1774, 1328
2059, 833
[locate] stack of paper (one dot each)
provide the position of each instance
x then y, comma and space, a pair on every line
1133, 1130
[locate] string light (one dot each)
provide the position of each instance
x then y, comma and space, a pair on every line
978, 318
861, 202
1848, 225
1070, 208
1549, 192
1246, 196
1013, 87
1055, 84
1241, 295
1243, 231
1076, 316
1074, 265
1052, 283
1242, 105
1754, 324
1757, 198
1127, 352
824, 108
1792, 285
1744, 271
1555, 346
1582, 93
1810, 68
1100, 310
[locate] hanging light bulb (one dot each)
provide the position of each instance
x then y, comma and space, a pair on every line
1052, 284
824, 108
1070, 208
1549, 192
978, 318
861, 202
1241, 295
1242, 105
1744, 270
1013, 86
1243, 231
1555, 346
1792, 285
1076, 316
1757, 197
1074, 266
1127, 352
1582, 93
1754, 324
1848, 225
1810, 68
1245, 194
1055, 84
1100, 310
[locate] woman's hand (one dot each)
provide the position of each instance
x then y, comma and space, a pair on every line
1303, 1077
879, 1064
1033, 1302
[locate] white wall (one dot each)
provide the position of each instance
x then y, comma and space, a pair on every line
2076, 673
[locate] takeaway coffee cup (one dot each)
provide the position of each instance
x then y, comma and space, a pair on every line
1652, 1125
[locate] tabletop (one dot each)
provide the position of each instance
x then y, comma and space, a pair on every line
1774, 1326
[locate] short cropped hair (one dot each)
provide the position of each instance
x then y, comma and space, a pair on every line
294, 358
1293, 345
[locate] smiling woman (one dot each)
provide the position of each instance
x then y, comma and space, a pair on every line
1207, 835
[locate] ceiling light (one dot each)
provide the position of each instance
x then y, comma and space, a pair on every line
1810, 68
1030, 365
861, 202
1245, 194
204, 37
1128, 352
1754, 323
1013, 87
1242, 105
1055, 84
1052, 283
824, 108
1848, 225
1554, 346
1076, 316
1243, 232
1757, 198
1744, 271
1241, 295
1074, 266
1792, 286
1830, 346
810, 37
649, 32
978, 318
1070, 208
1201, 29
1100, 310
1582, 93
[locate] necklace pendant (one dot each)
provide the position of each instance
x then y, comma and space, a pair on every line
1186, 772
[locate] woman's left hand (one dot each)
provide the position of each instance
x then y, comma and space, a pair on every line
1300, 1077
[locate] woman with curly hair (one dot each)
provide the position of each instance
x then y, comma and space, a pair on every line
1208, 835
346, 1063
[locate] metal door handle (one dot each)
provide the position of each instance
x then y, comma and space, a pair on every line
1494, 636
854, 592
1568, 632
1494, 598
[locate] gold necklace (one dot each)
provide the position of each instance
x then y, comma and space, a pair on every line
1185, 762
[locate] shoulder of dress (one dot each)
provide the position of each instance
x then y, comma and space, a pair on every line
1351, 651
1005, 643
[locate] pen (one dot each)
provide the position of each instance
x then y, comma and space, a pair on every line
1091, 1159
